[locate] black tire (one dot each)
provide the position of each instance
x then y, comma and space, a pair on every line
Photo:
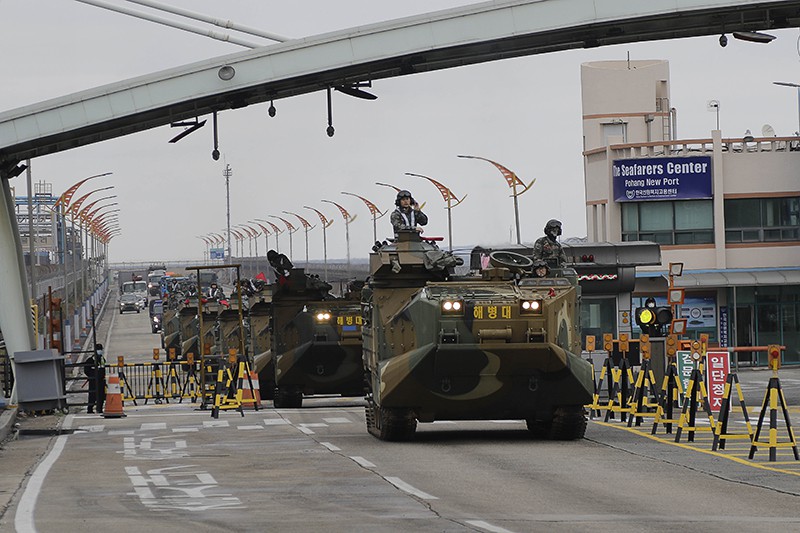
568, 423
287, 399
390, 424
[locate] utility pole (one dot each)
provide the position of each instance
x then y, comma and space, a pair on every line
228, 173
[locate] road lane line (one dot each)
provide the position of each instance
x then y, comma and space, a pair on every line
305, 430
331, 447
487, 526
23, 519
363, 462
405, 487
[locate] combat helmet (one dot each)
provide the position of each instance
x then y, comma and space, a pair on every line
403, 194
551, 225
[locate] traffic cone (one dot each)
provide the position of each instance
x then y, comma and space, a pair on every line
113, 406
251, 399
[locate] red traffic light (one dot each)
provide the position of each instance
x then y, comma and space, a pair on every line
774, 356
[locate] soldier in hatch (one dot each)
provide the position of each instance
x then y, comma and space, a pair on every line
548, 248
407, 215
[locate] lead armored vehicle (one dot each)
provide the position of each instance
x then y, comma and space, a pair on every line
316, 340
495, 345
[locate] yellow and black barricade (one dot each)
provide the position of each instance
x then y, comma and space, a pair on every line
721, 431
772, 398
696, 394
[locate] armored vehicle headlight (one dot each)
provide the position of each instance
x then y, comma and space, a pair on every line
531, 306
452, 307
323, 316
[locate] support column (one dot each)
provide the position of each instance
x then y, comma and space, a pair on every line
15, 312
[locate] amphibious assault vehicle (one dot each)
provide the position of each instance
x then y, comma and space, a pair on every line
496, 345
316, 340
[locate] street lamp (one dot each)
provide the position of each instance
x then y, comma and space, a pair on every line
373, 210
796, 86
306, 228
325, 223
448, 197
347, 220
275, 230
513, 182
266, 236
291, 229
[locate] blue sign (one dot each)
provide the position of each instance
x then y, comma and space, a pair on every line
662, 178
217, 253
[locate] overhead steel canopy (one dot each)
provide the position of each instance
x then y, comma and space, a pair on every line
473, 34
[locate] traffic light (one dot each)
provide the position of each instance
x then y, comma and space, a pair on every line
644, 346
623, 342
589, 343
608, 342
774, 356
671, 345
653, 320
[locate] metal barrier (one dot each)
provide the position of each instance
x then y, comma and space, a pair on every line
157, 381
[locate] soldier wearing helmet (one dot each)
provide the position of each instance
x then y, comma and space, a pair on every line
540, 268
548, 248
407, 215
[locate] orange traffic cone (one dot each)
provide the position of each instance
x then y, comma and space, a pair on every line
113, 407
251, 398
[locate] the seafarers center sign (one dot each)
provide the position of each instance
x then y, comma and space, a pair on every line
662, 178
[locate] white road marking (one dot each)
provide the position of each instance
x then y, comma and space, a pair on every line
215, 423
92, 429
275, 421
405, 487
314, 425
305, 430
23, 519
487, 527
121, 432
363, 462
330, 446
340, 420
185, 430
153, 425
249, 427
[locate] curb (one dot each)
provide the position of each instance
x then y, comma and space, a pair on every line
7, 420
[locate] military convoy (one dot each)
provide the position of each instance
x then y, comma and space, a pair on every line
420, 342
499, 345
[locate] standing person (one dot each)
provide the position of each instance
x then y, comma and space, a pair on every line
548, 248
407, 215
95, 370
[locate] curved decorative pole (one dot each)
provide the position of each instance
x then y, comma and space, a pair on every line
306, 228
208, 247
276, 230
373, 210
448, 197
267, 233
291, 229
347, 220
513, 182
239, 241
325, 224
249, 236
255, 233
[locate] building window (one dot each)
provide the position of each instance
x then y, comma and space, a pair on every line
762, 219
617, 129
678, 222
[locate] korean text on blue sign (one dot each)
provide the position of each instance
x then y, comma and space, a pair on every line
662, 178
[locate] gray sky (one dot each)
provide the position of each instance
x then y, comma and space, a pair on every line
524, 113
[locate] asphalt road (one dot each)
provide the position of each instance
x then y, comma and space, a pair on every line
173, 467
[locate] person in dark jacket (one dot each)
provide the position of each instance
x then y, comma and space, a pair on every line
95, 370
407, 215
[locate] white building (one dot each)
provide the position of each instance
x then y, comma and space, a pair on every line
728, 209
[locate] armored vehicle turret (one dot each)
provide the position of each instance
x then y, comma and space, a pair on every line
499, 345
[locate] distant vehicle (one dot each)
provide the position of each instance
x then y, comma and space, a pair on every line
156, 315
129, 302
139, 288
154, 282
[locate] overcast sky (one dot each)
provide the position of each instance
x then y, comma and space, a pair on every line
524, 113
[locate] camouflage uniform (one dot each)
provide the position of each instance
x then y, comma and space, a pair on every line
547, 248
405, 219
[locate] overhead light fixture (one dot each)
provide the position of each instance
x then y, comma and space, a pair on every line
226, 73
675, 269
723, 40
753, 36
